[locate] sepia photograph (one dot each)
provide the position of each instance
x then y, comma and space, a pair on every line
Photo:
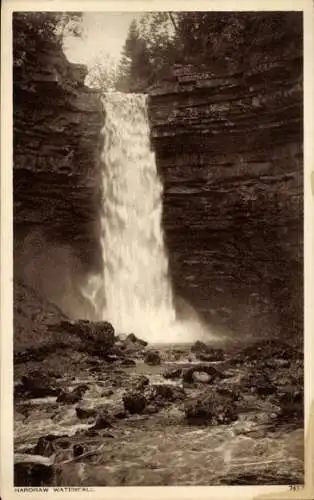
158, 265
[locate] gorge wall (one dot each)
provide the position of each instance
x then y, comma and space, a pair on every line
57, 143
228, 140
228, 144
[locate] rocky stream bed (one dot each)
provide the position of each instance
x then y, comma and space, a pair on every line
103, 410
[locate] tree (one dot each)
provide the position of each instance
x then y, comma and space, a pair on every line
135, 65
147, 51
102, 72
34, 30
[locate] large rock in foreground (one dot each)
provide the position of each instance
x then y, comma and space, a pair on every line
97, 336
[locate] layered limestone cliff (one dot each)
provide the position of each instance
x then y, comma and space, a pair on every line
57, 142
229, 149
228, 142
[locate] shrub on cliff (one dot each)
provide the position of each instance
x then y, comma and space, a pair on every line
162, 44
33, 31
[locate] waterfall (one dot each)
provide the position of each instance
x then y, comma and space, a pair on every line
137, 289
134, 293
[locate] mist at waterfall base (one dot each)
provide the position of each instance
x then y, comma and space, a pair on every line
134, 291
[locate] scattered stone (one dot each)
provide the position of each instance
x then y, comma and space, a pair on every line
214, 374
135, 340
103, 421
45, 445
152, 358
290, 394
118, 411
210, 409
161, 394
172, 373
199, 346
258, 383
201, 377
141, 382
98, 336
84, 413
134, 402
74, 396
176, 355
36, 385
269, 349
230, 393
89, 433
206, 353
214, 355
118, 349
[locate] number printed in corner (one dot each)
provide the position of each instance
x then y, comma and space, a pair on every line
294, 487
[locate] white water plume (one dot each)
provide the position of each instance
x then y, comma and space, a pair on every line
135, 282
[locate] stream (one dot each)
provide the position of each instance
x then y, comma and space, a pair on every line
158, 446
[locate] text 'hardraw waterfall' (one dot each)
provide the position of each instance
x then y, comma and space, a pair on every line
137, 289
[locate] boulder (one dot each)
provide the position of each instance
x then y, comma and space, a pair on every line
172, 373
206, 353
134, 402
131, 338
45, 445
210, 409
74, 396
36, 385
152, 358
229, 392
33, 470
103, 421
140, 383
213, 374
257, 383
84, 413
161, 395
199, 346
117, 410
267, 351
201, 377
97, 336
211, 355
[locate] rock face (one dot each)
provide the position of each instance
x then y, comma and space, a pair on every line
229, 149
228, 142
57, 142
33, 317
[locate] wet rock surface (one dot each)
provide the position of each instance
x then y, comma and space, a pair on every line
236, 421
36, 385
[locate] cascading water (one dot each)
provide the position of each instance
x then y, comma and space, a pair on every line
135, 282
